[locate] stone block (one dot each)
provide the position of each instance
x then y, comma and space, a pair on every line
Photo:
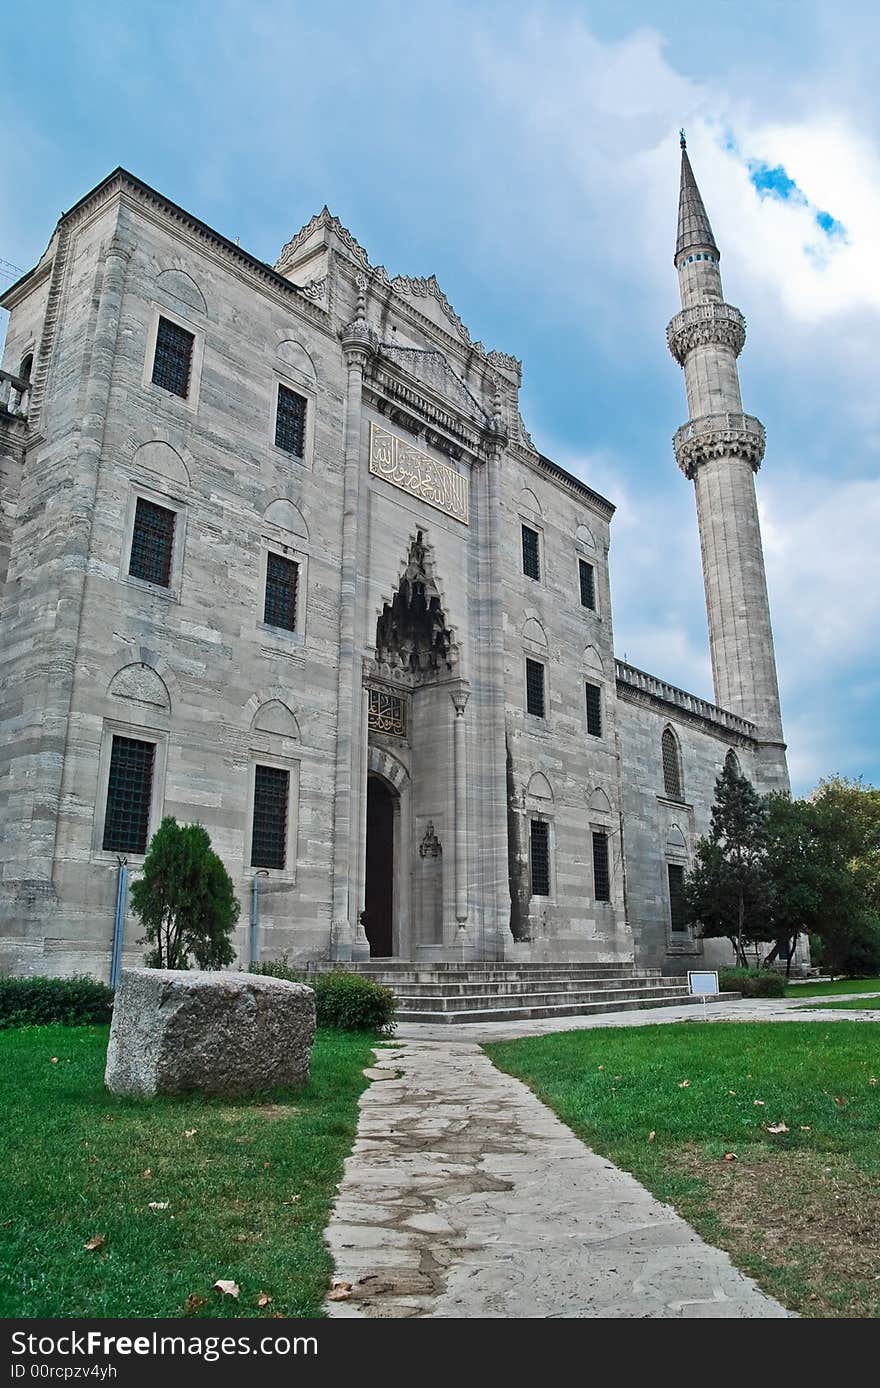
178, 1031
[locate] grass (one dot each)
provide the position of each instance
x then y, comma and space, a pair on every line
798, 1210
827, 990
856, 1005
248, 1185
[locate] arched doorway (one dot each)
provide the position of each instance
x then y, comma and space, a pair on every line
380, 868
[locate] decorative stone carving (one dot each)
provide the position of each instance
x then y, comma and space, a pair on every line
386, 712
411, 632
703, 325
323, 219
429, 288
316, 290
719, 436
398, 462
430, 367
430, 846
505, 362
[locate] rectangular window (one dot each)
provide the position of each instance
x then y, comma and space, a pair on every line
129, 795
530, 551
601, 875
172, 363
588, 584
677, 911
279, 609
535, 688
152, 543
290, 422
540, 857
594, 709
269, 837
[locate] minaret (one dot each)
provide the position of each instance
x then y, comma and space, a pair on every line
720, 450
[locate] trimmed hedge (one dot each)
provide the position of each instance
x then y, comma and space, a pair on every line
752, 983
34, 1002
346, 1001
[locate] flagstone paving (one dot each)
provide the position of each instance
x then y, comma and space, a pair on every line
466, 1197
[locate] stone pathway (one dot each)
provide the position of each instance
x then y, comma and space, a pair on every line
466, 1197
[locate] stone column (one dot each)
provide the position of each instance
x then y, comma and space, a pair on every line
459, 699
349, 940
497, 909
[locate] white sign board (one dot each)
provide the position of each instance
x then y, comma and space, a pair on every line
701, 981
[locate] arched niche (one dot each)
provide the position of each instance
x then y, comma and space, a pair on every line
182, 286
142, 684
676, 841
286, 516
585, 537
274, 716
599, 802
294, 354
528, 501
533, 631
592, 660
539, 788
160, 458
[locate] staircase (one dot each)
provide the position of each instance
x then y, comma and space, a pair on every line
454, 993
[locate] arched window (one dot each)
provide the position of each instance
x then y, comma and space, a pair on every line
731, 762
671, 766
27, 366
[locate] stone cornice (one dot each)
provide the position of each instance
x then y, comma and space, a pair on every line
388, 382
638, 687
703, 325
546, 468
719, 436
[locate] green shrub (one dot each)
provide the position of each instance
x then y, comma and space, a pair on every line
31, 1002
850, 948
752, 983
346, 1001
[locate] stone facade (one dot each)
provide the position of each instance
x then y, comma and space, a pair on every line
394, 699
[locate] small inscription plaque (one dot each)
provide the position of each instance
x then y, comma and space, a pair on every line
386, 713
406, 467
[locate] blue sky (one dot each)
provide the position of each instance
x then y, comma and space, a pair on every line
527, 155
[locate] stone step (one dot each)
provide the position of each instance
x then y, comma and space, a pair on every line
569, 1009
475, 987
448, 978
445, 1002
457, 966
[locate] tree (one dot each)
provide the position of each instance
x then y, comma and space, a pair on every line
813, 887
849, 938
728, 890
185, 900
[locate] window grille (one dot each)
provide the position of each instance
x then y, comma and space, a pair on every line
731, 762
677, 911
386, 713
601, 874
587, 576
282, 577
535, 688
671, 766
530, 552
129, 795
152, 543
172, 363
290, 422
540, 857
269, 837
594, 709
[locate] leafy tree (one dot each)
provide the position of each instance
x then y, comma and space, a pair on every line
807, 864
185, 900
849, 938
728, 890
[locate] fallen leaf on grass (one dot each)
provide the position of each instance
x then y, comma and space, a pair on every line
158, 1204
96, 1241
339, 1291
732, 1091
651, 1135
840, 1101
781, 1127
226, 1287
264, 1299
872, 1082
147, 1174
190, 1132
54, 1060
194, 1302
685, 1084
759, 1103
805, 1129
730, 1156
601, 1067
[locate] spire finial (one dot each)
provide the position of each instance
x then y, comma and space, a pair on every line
682, 139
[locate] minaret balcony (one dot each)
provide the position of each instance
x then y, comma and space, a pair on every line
703, 325
719, 436
14, 395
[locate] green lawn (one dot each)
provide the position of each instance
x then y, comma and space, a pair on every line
799, 1210
856, 1004
827, 990
246, 1187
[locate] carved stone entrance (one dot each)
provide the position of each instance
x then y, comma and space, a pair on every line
380, 868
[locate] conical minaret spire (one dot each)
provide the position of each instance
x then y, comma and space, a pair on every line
720, 449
